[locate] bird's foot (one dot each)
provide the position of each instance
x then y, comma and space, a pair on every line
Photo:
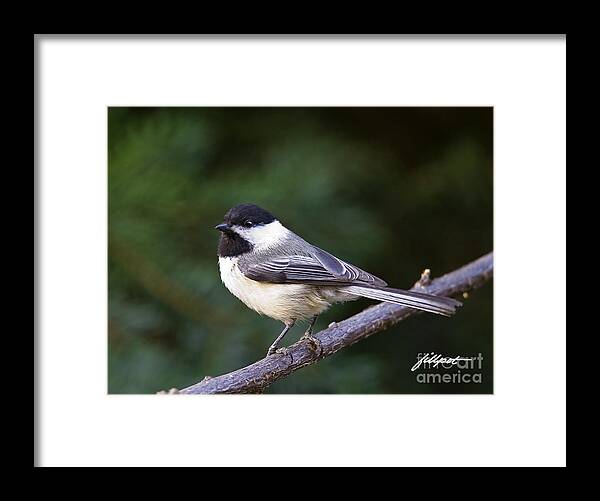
279, 351
313, 343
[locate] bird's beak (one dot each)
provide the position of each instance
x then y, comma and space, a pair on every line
223, 227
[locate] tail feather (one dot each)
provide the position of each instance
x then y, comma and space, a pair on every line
418, 300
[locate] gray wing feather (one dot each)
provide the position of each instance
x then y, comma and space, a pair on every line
329, 262
320, 268
340, 268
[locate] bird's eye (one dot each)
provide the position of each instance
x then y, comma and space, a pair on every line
248, 224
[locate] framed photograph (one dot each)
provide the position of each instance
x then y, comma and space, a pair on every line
355, 241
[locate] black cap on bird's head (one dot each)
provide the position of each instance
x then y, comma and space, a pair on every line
245, 216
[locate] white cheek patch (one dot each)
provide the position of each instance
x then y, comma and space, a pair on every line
264, 236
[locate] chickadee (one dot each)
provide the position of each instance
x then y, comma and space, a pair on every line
278, 274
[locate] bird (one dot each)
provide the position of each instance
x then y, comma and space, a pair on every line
277, 273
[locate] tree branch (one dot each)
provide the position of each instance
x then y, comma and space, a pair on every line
260, 375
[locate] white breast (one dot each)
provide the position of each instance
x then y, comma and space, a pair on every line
284, 302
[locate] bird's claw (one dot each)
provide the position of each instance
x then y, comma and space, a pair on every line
313, 343
279, 351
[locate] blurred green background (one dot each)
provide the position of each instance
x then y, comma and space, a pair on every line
392, 190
